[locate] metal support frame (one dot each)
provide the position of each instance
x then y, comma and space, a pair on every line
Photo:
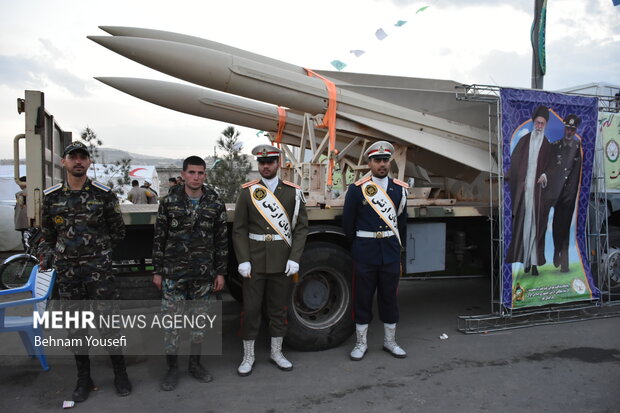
503, 317
312, 175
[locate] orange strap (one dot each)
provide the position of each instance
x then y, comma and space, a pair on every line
329, 121
281, 123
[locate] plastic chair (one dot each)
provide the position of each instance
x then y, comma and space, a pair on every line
40, 286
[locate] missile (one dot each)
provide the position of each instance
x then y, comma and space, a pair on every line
461, 143
223, 107
197, 41
432, 96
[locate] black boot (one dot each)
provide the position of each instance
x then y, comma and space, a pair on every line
171, 379
84, 383
121, 380
195, 369
534, 270
564, 260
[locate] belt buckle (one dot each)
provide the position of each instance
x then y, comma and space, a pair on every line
379, 234
268, 237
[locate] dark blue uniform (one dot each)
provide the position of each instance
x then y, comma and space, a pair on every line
377, 260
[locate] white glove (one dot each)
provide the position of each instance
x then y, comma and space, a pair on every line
291, 268
245, 269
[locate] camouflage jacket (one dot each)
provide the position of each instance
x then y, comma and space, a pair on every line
82, 223
190, 242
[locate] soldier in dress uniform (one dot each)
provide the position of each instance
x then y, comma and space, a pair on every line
269, 234
81, 225
190, 255
563, 187
375, 222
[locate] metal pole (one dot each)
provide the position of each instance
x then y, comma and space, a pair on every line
538, 43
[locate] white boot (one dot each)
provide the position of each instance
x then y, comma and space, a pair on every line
360, 344
245, 368
389, 342
276, 354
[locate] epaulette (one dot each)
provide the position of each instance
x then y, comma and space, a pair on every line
291, 184
101, 186
247, 184
52, 189
401, 183
361, 181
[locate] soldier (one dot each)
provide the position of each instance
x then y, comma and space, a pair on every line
375, 222
81, 224
563, 187
190, 253
269, 234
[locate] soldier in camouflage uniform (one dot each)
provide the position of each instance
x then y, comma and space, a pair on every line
81, 224
190, 257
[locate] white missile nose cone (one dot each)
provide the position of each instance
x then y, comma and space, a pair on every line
102, 40
106, 80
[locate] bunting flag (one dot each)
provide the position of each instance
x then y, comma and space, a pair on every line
380, 34
616, 2
338, 64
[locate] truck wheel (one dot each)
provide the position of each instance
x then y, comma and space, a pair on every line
612, 262
319, 314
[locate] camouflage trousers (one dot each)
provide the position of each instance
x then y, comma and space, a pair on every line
175, 295
88, 285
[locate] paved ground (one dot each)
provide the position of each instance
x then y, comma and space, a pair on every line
571, 367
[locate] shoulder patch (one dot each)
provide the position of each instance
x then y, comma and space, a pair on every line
248, 184
401, 183
101, 186
52, 189
361, 181
291, 184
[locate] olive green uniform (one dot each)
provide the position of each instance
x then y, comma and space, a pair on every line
268, 258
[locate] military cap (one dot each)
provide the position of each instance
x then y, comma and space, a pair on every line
541, 110
266, 152
75, 146
572, 121
380, 150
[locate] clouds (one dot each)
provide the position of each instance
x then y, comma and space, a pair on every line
40, 71
44, 47
522, 5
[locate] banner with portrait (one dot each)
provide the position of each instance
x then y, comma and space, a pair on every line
548, 142
610, 133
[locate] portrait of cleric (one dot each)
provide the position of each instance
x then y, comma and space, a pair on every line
543, 176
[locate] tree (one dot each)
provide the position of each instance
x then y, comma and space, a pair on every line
116, 174
92, 141
230, 170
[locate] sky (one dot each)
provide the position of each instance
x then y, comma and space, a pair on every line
43, 46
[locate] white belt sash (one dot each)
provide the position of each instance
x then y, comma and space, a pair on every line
379, 200
272, 210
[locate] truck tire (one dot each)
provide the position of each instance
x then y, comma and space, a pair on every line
319, 310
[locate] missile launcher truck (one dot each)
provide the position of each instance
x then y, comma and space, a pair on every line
445, 136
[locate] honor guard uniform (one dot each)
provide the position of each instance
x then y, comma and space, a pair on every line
375, 222
269, 234
81, 224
